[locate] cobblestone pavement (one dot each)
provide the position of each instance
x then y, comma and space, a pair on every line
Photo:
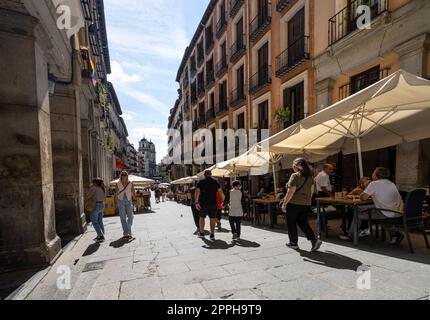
166, 261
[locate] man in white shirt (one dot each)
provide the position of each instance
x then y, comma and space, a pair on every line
385, 195
322, 180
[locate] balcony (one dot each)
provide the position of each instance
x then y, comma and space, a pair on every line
282, 4
260, 24
260, 79
210, 115
201, 122
221, 67
237, 96
210, 78
237, 49
186, 81
345, 21
221, 26
346, 90
209, 43
292, 57
235, 6
222, 108
200, 59
201, 89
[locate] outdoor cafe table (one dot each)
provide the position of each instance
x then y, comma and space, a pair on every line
355, 203
265, 202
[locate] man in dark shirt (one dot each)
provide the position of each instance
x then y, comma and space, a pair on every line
206, 202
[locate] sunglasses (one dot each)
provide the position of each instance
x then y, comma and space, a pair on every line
124, 175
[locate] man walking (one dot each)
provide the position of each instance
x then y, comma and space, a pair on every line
206, 202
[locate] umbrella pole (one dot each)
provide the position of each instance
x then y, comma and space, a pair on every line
275, 184
360, 157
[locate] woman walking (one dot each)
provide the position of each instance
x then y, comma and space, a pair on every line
98, 192
236, 210
124, 196
297, 204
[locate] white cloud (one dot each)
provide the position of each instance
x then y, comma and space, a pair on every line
148, 101
119, 78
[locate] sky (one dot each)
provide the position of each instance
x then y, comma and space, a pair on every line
147, 40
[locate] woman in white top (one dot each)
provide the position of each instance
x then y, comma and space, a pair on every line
236, 210
125, 196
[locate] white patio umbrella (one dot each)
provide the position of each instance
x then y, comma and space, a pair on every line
392, 111
138, 182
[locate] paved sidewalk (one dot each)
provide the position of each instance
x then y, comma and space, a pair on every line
166, 261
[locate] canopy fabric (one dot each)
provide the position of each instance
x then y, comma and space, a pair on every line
138, 182
183, 181
390, 112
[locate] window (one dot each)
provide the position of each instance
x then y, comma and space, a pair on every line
241, 121
294, 98
365, 79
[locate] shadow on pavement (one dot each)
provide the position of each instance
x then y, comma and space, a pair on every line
121, 242
331, 260
92, 248
223, 230
217, 245
247, 244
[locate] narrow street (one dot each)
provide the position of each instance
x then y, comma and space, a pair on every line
166, 261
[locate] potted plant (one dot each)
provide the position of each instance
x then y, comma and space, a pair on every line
282, 115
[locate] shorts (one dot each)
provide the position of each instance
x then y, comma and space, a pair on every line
210, 211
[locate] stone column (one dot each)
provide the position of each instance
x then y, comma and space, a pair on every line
324, 93
27, 217
412, 162
67, 160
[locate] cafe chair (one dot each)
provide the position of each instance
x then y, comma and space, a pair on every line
412, 217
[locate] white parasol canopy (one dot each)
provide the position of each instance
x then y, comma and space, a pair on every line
392, 111
138, 182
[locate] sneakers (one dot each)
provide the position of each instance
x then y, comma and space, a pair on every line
397, 239
212, 237
364, 233
99, 239
316, 245
201, 235
219, 226
293, 246
197, 232
345, 238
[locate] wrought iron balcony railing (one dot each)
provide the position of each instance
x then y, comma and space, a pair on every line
221, 66
222, 108
282, 4
260, 23
293, 56
221, 25
210, 115
235, 6
260, 79
210, 78
345, 21
237, 96
238, 48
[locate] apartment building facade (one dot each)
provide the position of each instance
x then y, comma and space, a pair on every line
246, 61
250, 59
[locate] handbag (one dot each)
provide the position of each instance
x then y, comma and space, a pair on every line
281, 204
90, 205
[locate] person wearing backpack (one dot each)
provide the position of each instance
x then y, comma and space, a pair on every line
98, 193
297, 204
124, 197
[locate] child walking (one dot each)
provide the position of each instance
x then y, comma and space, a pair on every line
236, 210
